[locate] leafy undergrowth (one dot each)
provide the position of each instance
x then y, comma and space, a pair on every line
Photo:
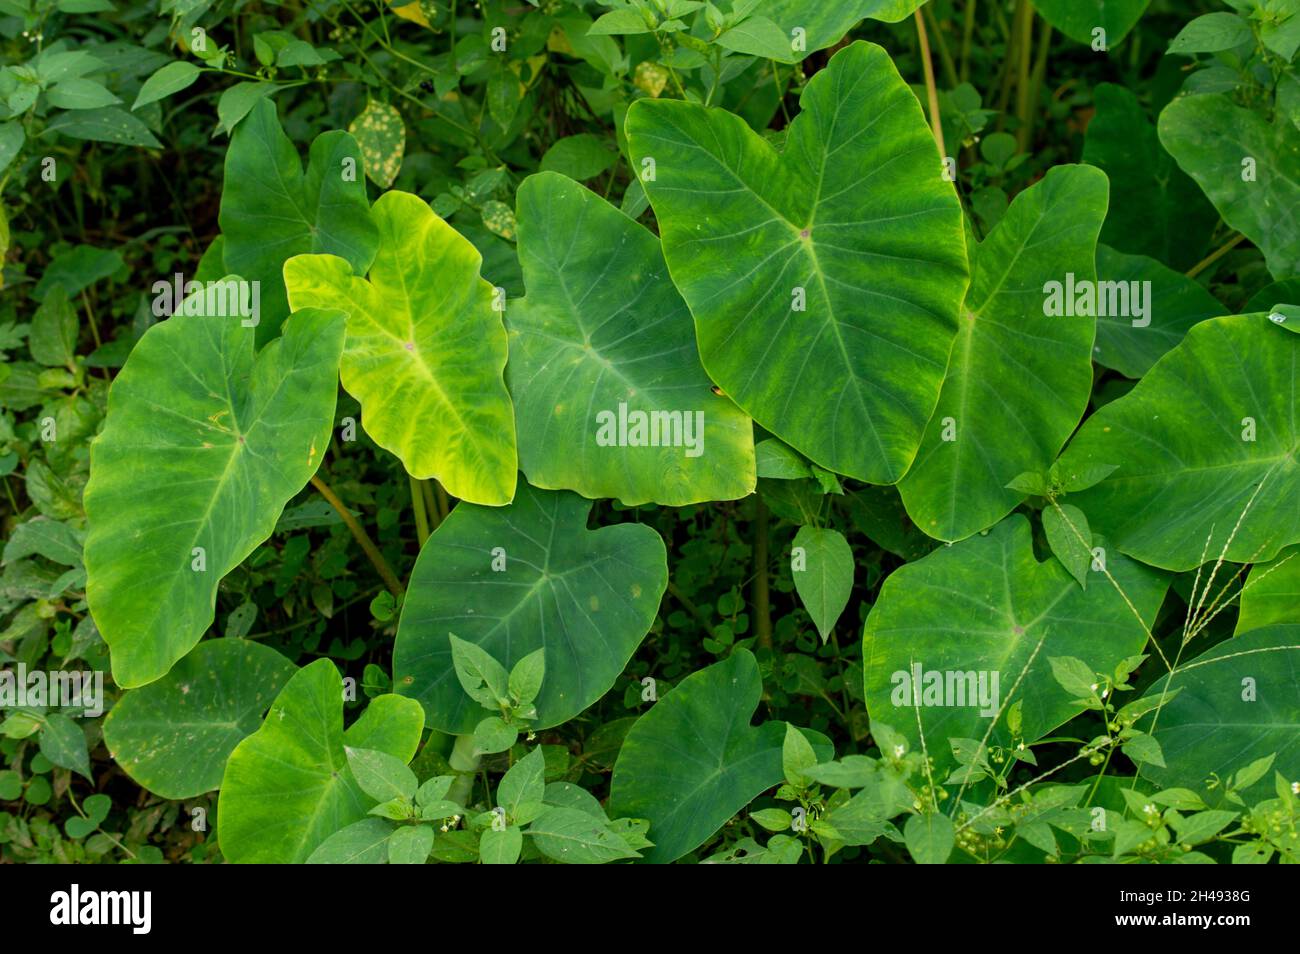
758, 431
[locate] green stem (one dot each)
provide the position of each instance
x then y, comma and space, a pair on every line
967, 35
941, 44
1024, 54
359, 534
417, 505
464, 761
431, 505
762, 595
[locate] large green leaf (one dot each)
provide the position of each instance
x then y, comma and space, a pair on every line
1271, 593
425, 349
1019, 378
1078, 19
1185, 474
853, 221
602, 338
1173, 302
1155, 209
1234, 704
270, 210
288, 787
822, 24
203, 446
173, 736
694, 760
521, 578
987, 607
1249, 168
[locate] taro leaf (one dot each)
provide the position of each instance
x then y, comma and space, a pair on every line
1272, 593
382, 138
845, 260
204, 445
1019, 378
173, 736
521, 578
602, 343
823, 24
1246, 165
270, 210
1077, 19
822, 566
425, 349
1235, 703
1155, 209
983, 608
693, 760
1185, 470
287, 787
1129, 343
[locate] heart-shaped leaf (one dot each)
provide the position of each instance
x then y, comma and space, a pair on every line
1235, 703
425, 349
832, 321
271, 210
521, 578
1246, 165
173, 736
287, 787
972, 618
1082, 19
1155, 208
694, 760
1021, 370
1216, 418
203, 446
610, 397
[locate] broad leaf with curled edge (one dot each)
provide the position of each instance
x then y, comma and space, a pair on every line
204, 445
853, 221
1185, 474
1247, 166
173, 736
288, 787
987, 605
821, 23
1234, 703
1131, 344
1019, 379
516, 579
1081, 19
694, 760
271, 210
425, 350
602, 327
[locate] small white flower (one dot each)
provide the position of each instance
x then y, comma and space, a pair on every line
1295, 788
1149, 808
899, 750
1103, 693
1093, 687
1020, 747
